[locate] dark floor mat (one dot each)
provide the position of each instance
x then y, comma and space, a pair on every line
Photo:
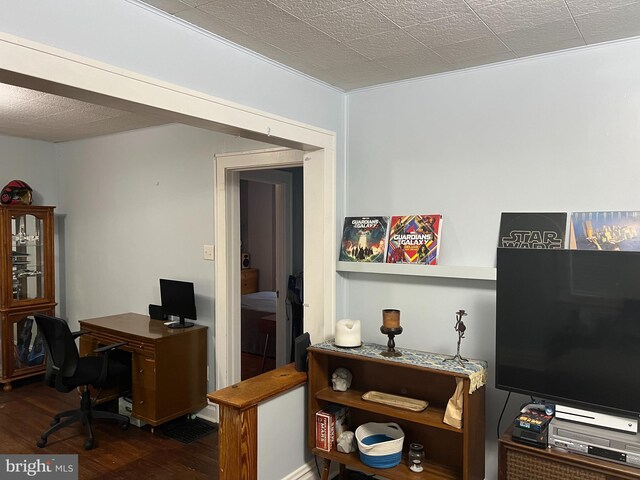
188, 430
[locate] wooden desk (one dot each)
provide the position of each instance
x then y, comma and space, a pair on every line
168, 366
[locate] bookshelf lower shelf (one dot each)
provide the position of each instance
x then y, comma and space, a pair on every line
432, 471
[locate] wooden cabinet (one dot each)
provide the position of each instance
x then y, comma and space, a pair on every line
249, 279
27, 287
451, 453
523, 462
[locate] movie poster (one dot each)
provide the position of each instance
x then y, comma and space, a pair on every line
414, 239
532, 230
364, 239
605, 231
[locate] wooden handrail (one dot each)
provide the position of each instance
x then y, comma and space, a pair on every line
238, 439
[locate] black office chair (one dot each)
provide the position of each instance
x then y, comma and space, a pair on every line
66, 371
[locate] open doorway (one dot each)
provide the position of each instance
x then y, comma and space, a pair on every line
271, 206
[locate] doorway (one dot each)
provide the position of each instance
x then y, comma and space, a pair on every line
271, 207
243, 326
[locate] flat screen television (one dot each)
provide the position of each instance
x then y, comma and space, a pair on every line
568, 327
178, 299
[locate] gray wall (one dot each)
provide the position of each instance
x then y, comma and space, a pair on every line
553, 133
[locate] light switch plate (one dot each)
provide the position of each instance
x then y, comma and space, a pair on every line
208, 252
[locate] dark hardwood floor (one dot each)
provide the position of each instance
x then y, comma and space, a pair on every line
251, 365
136, 453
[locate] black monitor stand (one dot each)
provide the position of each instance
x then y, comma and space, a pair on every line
181, 324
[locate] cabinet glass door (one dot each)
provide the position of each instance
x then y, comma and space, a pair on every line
27, 257
28, 347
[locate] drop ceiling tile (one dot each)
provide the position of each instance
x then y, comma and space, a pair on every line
519, 14
411, 12
414, 66
471, 49
210, 23
449, 30
525, 50
351, 23
610, 24
543, 37
249, 15
169, 6
484, 60
584, 7
297, 37
426, 61
312, 8
394, 42
331, 57
195, 3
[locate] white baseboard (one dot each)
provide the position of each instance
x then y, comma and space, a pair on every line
305, 472
210, 413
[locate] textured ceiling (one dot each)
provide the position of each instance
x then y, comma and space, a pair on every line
358, 43
348, 44
41, 116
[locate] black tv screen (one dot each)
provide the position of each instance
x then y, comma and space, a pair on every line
568, 327
178, 298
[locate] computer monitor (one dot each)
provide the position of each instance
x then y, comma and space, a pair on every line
178, 298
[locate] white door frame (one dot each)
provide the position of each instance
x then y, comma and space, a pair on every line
282, 183
41, 67
229, 167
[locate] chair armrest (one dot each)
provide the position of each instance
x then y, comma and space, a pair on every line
108, 348
78, 333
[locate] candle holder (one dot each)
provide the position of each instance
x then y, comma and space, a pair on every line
391, 344
415, 457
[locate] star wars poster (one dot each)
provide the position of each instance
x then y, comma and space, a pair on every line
532, 230
414, 239
364, 239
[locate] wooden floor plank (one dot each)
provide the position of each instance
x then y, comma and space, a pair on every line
123, 455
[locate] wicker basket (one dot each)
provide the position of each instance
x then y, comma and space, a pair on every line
380, 444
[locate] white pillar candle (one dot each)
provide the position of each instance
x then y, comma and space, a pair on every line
348, 333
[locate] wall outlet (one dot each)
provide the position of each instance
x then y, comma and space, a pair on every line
208, 252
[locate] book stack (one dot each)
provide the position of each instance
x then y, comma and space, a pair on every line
330, 423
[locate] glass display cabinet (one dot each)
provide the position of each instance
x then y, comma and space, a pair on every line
27, 287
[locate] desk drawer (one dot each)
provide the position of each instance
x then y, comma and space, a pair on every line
143, 372
143, 401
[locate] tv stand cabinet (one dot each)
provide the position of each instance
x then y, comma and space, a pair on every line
451, 453
522, 462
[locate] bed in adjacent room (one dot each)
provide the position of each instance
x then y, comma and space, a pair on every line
255, 307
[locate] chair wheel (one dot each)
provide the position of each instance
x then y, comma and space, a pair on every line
124, 425
89, 444
41, 443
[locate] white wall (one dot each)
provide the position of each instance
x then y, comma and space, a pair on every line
281, 440
33, 162
555, 133
136, 37
136, 207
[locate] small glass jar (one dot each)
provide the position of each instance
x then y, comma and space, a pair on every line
416, 457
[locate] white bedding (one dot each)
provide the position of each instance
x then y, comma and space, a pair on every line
262, 301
